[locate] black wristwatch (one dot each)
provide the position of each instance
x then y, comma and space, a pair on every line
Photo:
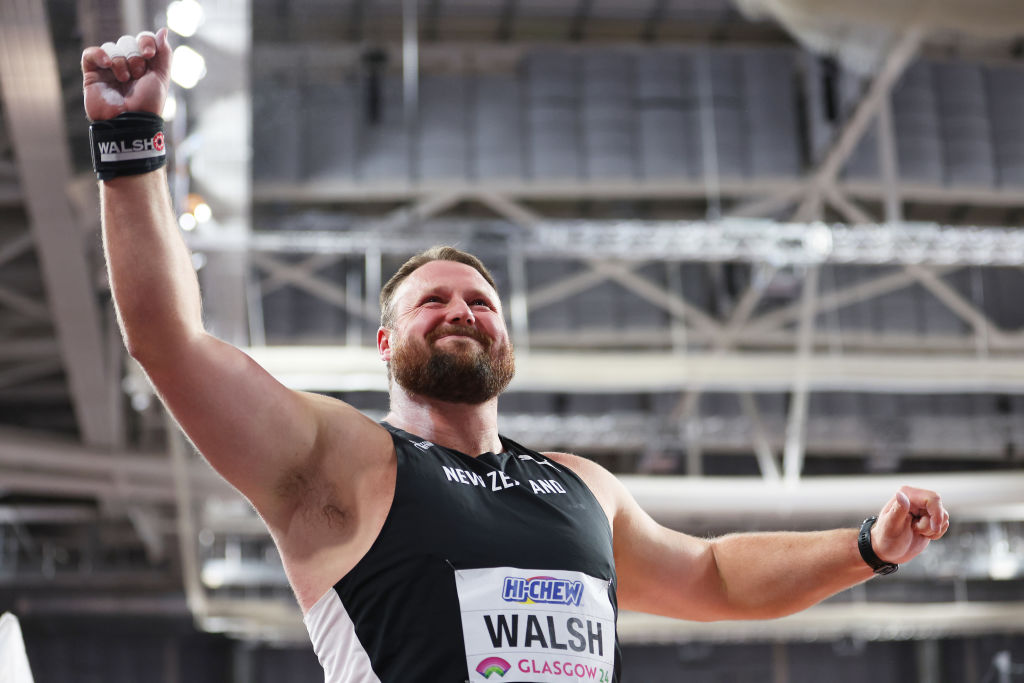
880, 566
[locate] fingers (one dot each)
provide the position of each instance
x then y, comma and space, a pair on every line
931, 519
94, 59
117, 60
129, 47
129, 57
147, 43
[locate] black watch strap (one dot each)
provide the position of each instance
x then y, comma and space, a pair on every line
880, 566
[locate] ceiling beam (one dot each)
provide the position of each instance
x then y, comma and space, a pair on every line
824, 623
345, 368
35, 117
739, 240
825, 174
24, 305
838, 298
15, 247
321, 192
796, 423
43, 458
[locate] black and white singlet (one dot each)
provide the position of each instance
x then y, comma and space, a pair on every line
491, 569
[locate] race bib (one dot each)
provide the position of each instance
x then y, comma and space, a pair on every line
536, 626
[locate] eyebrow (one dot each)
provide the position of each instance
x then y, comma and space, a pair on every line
473, 292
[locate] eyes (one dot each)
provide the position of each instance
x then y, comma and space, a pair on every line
475, 302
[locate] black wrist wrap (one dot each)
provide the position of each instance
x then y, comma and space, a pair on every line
129, 144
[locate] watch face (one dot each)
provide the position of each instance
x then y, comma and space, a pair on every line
887, 569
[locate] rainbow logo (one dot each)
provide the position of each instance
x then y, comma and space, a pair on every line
493, 665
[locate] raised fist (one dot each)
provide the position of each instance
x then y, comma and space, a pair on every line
131, 75
908, 522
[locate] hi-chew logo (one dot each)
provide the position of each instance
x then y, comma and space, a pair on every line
542, 589
128, 150
493, 665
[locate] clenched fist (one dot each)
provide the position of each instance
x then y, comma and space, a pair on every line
136, 78
908, 522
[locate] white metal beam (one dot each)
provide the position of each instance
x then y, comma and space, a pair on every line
888, 161
24, 305
827, 171
566, 287
95, 468
33, 103
29, 370
855, 293
28, 348
727, 501
862, 341
726, 339
823, 623
15, 247
759, 437
933, 193
316, 286
288, 273
743, 240
321, 192
278, 621
926, 436
763, 207
334, 368
302, 274
188, 538
796, 424
508, 208
849, 210
669, 301
965, 310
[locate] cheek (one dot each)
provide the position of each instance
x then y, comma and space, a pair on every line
499, 333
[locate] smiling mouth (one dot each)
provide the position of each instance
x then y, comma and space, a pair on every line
463, 337
460, 333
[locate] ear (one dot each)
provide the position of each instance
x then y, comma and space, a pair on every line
384, 343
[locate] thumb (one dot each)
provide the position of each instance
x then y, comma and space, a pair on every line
896, 515
161, 61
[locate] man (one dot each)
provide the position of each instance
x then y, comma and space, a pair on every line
429, 548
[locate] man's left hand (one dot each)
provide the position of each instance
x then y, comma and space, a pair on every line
908, 523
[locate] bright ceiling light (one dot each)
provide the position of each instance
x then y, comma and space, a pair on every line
202, 212
187, 222
184, 17
188, 67
170, 108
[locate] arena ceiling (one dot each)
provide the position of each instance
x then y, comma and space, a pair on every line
734, 268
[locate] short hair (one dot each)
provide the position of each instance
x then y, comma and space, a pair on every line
438, 253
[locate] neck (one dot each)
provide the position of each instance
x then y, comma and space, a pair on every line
470, 429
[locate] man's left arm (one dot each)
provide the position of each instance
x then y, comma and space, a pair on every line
751, 575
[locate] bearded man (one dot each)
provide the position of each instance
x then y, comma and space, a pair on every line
429, 547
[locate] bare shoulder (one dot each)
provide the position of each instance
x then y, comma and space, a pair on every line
345, 430
351, 453
346, 438
606, 488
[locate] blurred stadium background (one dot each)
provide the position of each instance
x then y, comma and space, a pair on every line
760, 257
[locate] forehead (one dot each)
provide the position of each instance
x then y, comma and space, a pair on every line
444, 274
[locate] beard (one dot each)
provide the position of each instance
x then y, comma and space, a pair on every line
464, 375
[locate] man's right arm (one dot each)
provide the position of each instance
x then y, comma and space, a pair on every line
244, 422
257, 433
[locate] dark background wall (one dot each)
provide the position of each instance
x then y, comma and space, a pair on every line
171, 650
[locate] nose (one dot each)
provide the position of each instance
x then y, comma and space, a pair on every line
459, 312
